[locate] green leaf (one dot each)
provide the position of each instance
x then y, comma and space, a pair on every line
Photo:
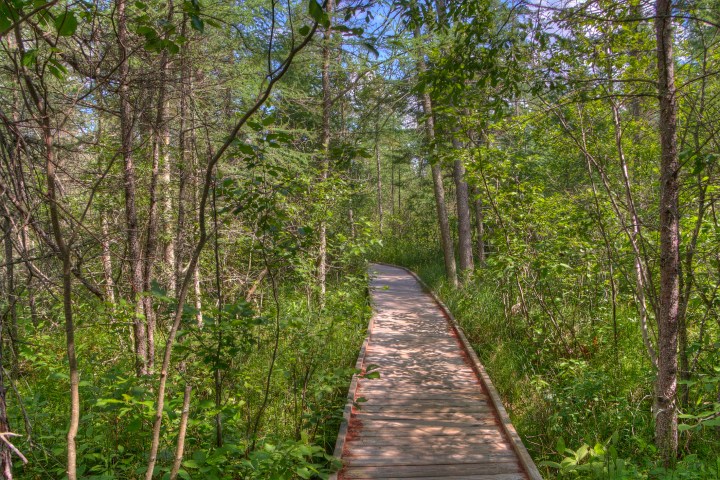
371, 48
66, 24
315, 10
197, 23
304, 30
5, 22
172, 47
245, 148
29, 57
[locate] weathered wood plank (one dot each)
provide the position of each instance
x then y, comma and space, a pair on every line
419, 471
430, 459
456, 448
500, 476
427, 431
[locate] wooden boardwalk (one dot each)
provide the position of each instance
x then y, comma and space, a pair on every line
433, 413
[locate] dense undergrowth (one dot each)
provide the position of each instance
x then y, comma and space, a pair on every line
583, 411
291, 434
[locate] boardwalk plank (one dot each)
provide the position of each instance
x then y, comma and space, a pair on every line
444, 470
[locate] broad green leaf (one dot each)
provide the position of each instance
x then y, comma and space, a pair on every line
29, 57
315, 10
66, 24
197, 23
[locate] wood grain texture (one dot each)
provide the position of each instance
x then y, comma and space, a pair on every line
429, 414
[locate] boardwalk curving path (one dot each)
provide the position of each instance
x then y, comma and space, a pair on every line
433, 413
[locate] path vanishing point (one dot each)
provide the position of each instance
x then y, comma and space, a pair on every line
433, 412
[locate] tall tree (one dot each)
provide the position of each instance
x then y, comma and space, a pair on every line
664, 407
436, 170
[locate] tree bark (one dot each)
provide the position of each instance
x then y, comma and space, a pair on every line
107, 262
462, 202
479, 226
133, 240
180, 447
438, 187
160, 132
665, 410
642, 279
325, 143
5, 453
63, 251
379, 178
10, 292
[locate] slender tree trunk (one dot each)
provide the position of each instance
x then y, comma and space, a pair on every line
198, 296
641, 277
666, 435
63, 249
325, 140
183, 167
165, 196
133, 240
439, 188
379, 177
107, 262
10, 293
180, 447
25, 244
160, 134
399, 190
462, 203
392, 188
67, 301
5, 453
479, 226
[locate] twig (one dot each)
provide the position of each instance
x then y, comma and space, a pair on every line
3, 436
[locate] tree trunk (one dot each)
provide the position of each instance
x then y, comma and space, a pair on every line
379, 178
5, 453
439, 188
462, 202
642, 279
10, 293
666, 435
160, 134
64, 251
180, 446
133, 240
183, 167
479, 226
107, 262
325, 141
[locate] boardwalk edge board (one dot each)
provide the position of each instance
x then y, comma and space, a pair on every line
347, 412
524, 457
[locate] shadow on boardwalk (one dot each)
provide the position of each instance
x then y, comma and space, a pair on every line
431, 414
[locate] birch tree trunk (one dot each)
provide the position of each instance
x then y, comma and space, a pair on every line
325, 141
